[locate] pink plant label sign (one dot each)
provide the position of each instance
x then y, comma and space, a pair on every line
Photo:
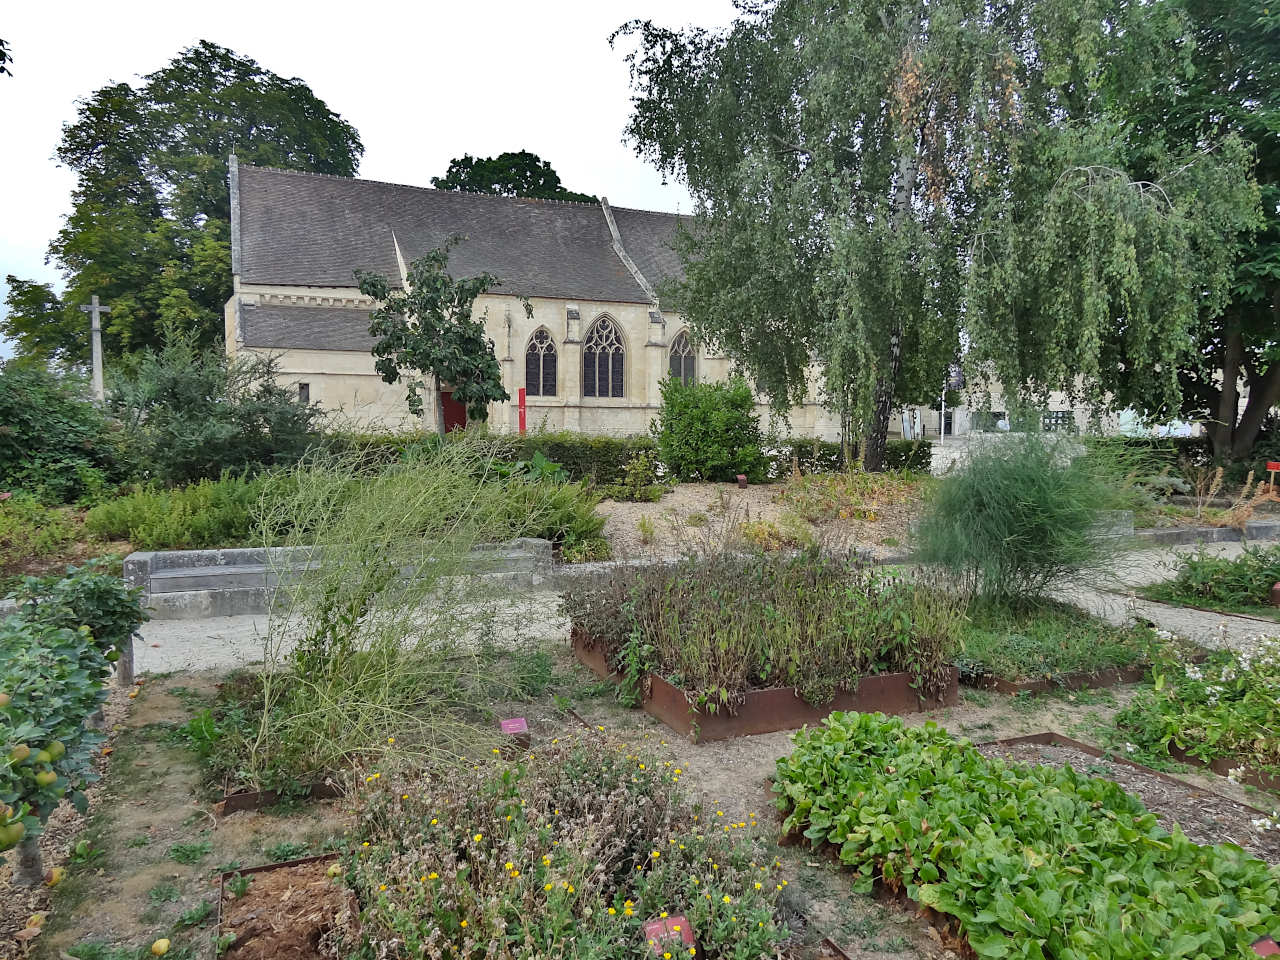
514, 725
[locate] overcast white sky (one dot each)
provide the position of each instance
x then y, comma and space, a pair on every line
422, 83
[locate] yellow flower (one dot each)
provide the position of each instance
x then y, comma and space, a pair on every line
571, 888
666, 955
628, 911
546, 886
612, 911
391, 739
508, 864
675, 927
464, 923
478, 837
655, 854
495, 750
365, 844
677, 772
642, 766
434, 821
693, 952
433, 876
515, 873
759, 886
404, 796
727, 899
662, 915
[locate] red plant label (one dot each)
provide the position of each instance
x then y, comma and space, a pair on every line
659, 932
1273, 464
1265, 947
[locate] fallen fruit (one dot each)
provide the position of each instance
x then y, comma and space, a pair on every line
54, 877
133, 694
160, 947
36, 920
334, 870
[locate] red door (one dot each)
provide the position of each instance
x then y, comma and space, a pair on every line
455, 411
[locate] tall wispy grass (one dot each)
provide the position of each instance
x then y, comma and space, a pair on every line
382, 634
1022, 515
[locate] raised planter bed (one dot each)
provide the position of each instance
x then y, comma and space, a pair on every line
1205, 816
233, 801
1082, 680
287, 910
768, 711
1223, 766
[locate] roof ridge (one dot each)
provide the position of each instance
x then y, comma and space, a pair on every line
469, 193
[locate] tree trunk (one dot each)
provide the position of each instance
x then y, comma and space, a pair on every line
1264, 393
878, 430
1222, 428
439, 409
30, 868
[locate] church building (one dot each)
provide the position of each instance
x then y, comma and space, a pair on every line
590, 359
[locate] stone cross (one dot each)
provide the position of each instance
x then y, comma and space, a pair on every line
95, 311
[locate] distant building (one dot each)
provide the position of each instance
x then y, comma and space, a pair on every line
590, 359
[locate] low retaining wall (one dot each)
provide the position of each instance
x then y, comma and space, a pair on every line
191, 584
768, 711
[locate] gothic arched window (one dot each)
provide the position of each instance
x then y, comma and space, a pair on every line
540, 366
684, 362
603, 360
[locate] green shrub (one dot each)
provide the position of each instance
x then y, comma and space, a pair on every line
564, 513
208, 513
1031, 861
719, 627
53, 440
640, 481
575, 848
1017, 517
809, 453
91, 596
709, 431
915, 455
189, 414
51, 678
29, 531
1225, 708
1242, 584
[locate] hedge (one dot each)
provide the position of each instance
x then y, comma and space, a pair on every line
824, 456
586, 458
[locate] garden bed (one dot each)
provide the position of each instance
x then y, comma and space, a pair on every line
1037, 860
290, 909
770, 710
1204, 816
235, 801
1054, 646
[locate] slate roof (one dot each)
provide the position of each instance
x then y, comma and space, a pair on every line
314, 230
307, 328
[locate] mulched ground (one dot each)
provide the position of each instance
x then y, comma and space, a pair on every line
1205, 817
291, 913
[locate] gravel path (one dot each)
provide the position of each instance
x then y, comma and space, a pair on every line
226, 642
1113, 600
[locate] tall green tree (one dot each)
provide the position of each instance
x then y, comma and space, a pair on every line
885, 187
149, 230
510, 174
426, 336
1230, 86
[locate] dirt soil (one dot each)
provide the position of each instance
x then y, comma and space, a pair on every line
705, 517
152, 809
1204, 816
290, 913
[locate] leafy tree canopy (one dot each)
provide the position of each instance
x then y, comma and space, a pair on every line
885, 187
6, 58
510, 174
1230, 87
426, 335
149, 230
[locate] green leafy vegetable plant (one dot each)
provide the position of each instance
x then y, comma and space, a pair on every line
1239, 585
1031, 862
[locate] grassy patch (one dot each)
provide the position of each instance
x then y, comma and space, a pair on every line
1047, 641
190, 853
